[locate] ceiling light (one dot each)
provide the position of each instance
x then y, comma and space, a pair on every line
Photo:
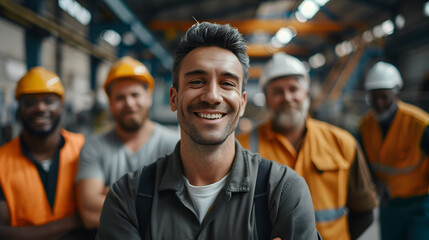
129, 38
367, 36
300, 17
284, 35
400, 21
276, 43
387, 27
321, 2
377, 31
308, 8
111, 37
75, 10
317, 60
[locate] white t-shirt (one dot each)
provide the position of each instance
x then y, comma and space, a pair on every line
204, 196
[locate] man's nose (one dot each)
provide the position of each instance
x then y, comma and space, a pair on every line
212, 93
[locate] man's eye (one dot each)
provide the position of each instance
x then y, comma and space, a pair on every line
228, 84
196, 82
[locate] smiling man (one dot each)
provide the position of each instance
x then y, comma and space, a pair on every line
208, 188
134, 142
37, 169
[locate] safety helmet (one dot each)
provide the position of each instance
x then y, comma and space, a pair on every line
39, 80
282, 65
128, 67
383, 76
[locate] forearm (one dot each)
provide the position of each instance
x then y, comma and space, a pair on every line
91, 195
53, 230
91, 211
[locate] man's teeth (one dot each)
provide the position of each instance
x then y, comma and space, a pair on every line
210, 116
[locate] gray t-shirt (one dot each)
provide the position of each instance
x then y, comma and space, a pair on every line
105, 157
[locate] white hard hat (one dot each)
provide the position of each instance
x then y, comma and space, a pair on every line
283, 65
383, 76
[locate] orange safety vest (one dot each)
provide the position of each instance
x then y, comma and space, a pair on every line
23, 188
398, 159
324, 161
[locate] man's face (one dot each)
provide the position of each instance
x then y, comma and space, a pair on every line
130, 102
40, 113
209, 100
381, 100
288, 101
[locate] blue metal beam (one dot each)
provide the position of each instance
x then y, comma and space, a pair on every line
143, 34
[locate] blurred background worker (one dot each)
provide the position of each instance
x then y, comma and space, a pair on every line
327, 157
37, 169
135, 141
395, 138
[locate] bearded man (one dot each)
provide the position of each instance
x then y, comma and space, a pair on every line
327, 157
134, 142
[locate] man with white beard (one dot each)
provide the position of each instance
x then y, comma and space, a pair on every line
327, 157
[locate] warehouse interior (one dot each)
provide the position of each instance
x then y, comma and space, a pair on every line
339, 40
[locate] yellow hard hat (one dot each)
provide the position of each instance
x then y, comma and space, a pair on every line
128, 67
39, 80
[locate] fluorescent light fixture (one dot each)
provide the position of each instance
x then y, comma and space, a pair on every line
426, 9
344, 48
377, 31
400, 21
111, 37
300, 17
308, 8
321, 2
284, 35
276, 43
388, 27
317, 60
367, 36
75, 10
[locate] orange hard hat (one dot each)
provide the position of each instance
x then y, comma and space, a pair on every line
128, 67
39, 80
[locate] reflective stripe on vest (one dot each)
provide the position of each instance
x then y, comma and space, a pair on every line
396, 171
330, 214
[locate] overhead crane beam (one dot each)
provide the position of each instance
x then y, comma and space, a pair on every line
270, 26
24, 16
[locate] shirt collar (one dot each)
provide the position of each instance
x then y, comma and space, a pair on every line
238, 180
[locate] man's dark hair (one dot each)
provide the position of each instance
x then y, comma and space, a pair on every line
207, 34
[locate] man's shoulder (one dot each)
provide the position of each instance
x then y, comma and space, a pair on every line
10, 148
278, 172
166, 132
102, 139
414, 112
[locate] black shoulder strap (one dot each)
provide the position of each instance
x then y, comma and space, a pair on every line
144, 197
262, 212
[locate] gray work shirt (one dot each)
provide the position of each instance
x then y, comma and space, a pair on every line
232, 215
107, 158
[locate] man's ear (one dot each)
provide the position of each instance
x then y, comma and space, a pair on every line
173, 99
243, 103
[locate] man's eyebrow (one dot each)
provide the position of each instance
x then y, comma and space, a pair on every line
232, 75
195, 72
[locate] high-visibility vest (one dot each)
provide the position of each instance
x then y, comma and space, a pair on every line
324, 161
398, 160
23, 188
